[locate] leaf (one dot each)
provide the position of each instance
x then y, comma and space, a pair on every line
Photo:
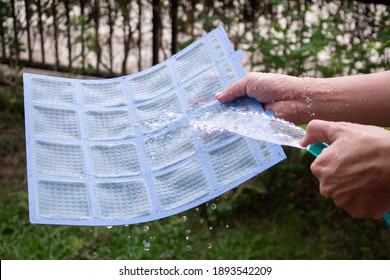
78, 39
90, 67
92, 48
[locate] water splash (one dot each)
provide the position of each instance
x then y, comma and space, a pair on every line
146, 245
253, 124
188, 232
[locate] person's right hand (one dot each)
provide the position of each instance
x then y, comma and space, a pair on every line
285, 95
354, 170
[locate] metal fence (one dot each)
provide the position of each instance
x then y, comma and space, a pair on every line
97, 37
110, 38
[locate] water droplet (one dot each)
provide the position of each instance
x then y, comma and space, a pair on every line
184, 218
213, 206
188, 231
227, 226
146, 246
209, 246
201, 221
188, 248
109, 227
146, 228
211, 228
187, 237
197, 209
129, 236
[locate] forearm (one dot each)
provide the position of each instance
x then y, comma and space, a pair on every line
361, 99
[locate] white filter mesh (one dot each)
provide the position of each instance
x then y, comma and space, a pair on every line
122, 151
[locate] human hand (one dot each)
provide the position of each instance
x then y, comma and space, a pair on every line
354, 170
360, 99
288, 97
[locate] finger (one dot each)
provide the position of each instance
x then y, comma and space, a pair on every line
320, 131
287, 110
237, 89
324, 191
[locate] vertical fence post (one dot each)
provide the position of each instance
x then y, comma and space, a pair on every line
111, 33
3, 13
82, 23
156, 27
97, 26
15, 45
174, 6
55, 23
67, 11
139, 42
40, 25
125, 9
27, 11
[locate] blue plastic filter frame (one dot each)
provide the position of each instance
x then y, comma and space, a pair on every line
122, 151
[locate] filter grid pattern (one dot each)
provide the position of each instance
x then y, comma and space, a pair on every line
123, 151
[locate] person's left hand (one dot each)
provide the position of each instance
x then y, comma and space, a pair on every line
355, 169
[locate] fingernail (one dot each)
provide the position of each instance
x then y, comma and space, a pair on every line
218, 94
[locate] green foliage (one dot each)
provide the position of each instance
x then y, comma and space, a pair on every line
323, 46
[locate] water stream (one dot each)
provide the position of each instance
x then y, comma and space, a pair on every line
253, 124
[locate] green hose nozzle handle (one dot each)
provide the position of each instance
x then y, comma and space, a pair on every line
316, 149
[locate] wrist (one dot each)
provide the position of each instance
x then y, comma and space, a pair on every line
316, 98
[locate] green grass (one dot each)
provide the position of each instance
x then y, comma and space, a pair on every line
277, 215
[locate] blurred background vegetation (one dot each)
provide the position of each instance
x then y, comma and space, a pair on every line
279, 214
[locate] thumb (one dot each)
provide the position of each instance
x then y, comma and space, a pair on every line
319, 131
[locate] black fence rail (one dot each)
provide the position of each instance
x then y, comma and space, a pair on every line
110, 38
82, 36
